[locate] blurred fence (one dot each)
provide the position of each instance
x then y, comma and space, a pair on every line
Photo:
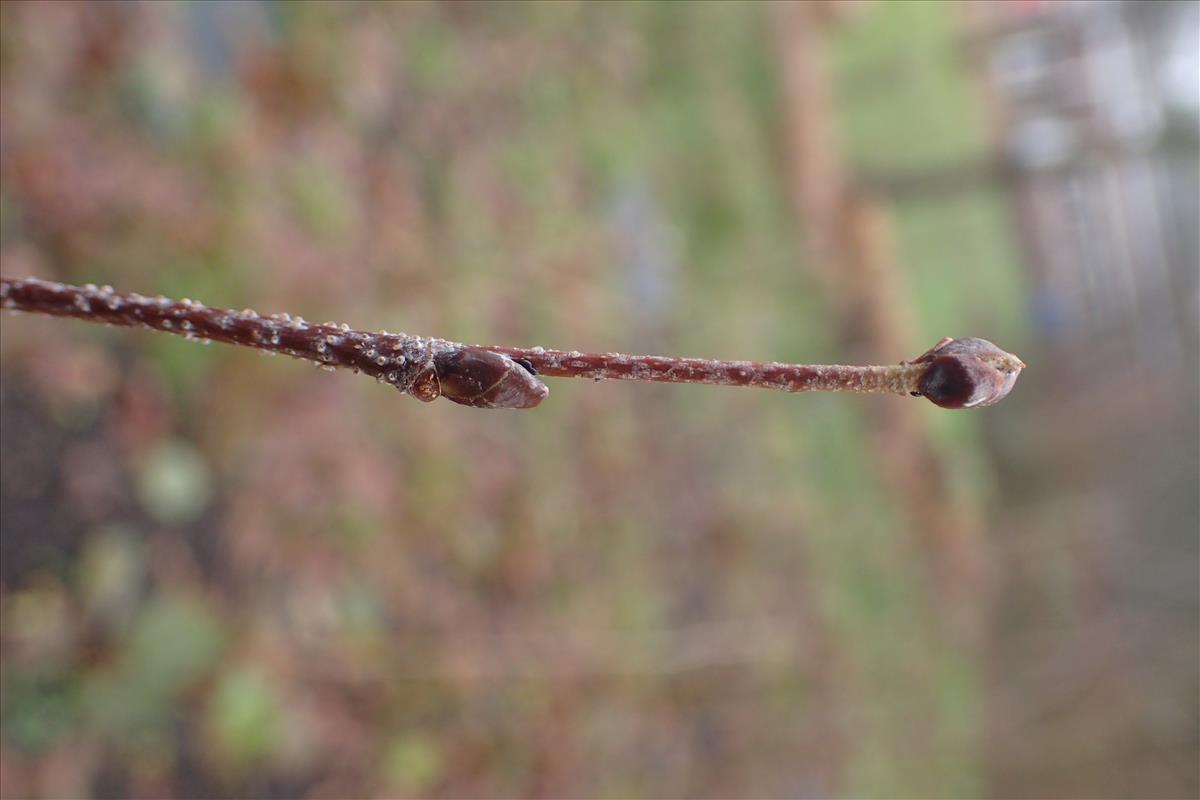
1097, 125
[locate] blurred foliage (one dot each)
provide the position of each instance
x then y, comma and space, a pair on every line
229, 575
558, 174
173, 484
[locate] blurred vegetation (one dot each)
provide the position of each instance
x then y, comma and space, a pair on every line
227, 575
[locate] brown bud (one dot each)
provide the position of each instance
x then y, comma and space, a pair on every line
426, 387
483, 379
968, 373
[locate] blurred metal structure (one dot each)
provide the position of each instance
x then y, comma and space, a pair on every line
1097, 123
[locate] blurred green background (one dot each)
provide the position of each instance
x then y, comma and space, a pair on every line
223, 575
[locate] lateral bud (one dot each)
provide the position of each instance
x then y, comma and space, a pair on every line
481, 378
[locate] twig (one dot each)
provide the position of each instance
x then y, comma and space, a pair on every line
955, 373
